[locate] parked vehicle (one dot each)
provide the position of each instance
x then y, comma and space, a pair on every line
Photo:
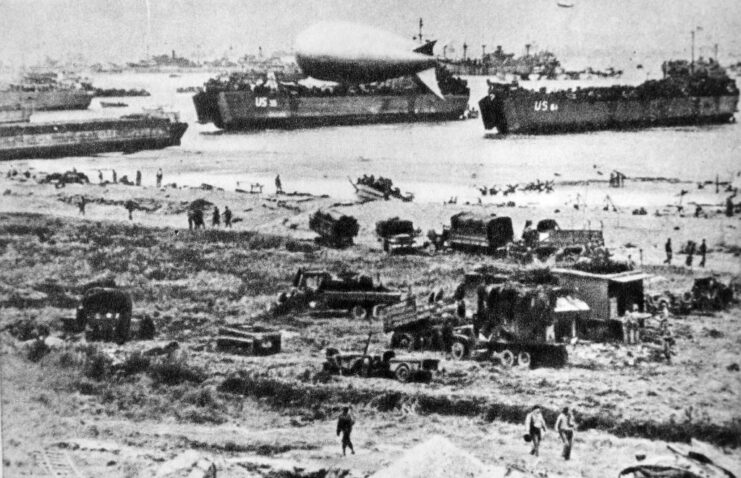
334, 228
396, 234
386, 365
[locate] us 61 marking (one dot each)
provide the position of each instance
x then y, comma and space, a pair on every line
545, 106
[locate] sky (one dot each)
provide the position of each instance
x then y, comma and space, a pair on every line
116, 30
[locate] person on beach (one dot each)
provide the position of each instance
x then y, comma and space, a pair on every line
100, 176
159, 177
115, 177
227, 217
81, 205
130, 206
535, 428
278, 185
344, 425
690, 253
703, 252
216, 218
565, 427
138, 177
668, 250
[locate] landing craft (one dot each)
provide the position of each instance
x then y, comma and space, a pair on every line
353, 53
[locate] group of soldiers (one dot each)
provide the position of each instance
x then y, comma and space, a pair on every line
125, 179
691, 248
195, 218
537, 186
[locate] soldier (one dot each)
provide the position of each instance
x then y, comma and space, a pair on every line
703, 252
130, 206
690, 253
668, 250
565, 427
344, 425
227, 217
138, 177
115, 177
159, 177
278, 185
81, 205
535, 428
100, 176
216, 218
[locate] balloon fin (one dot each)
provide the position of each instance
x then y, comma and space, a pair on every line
429, 78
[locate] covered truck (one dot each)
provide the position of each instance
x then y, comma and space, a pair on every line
396, 234
479, 232
334, 228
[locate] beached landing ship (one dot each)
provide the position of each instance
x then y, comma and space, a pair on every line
688, 94
151, 130
45, 91
379, 78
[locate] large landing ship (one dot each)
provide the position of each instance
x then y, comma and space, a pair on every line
378, 78
689, 93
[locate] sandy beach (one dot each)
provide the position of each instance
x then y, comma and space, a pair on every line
193, 282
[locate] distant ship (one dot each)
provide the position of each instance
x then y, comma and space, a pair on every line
689, 93
240, 103
128, 134
45, 91
14, 113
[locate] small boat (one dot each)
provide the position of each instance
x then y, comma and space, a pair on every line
113, 104
368, 189
565, 4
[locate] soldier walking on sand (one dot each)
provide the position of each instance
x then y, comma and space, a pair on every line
565, 427
668, 250
100, 176
703, 252
130, 206
344, 425
278, 185
227, 217
159, 177
535, 428
115, 177
138, 177
81, 205
690, 253
216, 218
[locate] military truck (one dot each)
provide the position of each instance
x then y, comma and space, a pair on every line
489, 234
385, 365
396, 234
105, 313
352, 291
334, 228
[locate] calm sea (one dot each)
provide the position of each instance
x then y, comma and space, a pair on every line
433, 160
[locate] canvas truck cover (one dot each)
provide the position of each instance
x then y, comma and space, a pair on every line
497, 230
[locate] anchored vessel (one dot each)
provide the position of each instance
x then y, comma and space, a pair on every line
14, 114
44, 91
153, 130
237, 103
689, 93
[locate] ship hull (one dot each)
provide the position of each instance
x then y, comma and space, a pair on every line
14, 115
83, 138
48, 100
240, 110
543, 114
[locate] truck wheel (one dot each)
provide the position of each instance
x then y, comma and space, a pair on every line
359, 312
523, 359
507, 358
122, 328
377, 312
406, 341
458, 350
402, 373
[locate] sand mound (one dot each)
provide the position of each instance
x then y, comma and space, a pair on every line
437, 457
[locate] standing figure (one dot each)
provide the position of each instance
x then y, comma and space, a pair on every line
227, 217
690, 253
100, 176
216, 218
565, 427
115, 177
703, 252
138, 177
278, 185
344, 425
130, 206
668, 250
81, 205
159, 177
535, 428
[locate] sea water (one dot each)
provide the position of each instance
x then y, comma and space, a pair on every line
435, 161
